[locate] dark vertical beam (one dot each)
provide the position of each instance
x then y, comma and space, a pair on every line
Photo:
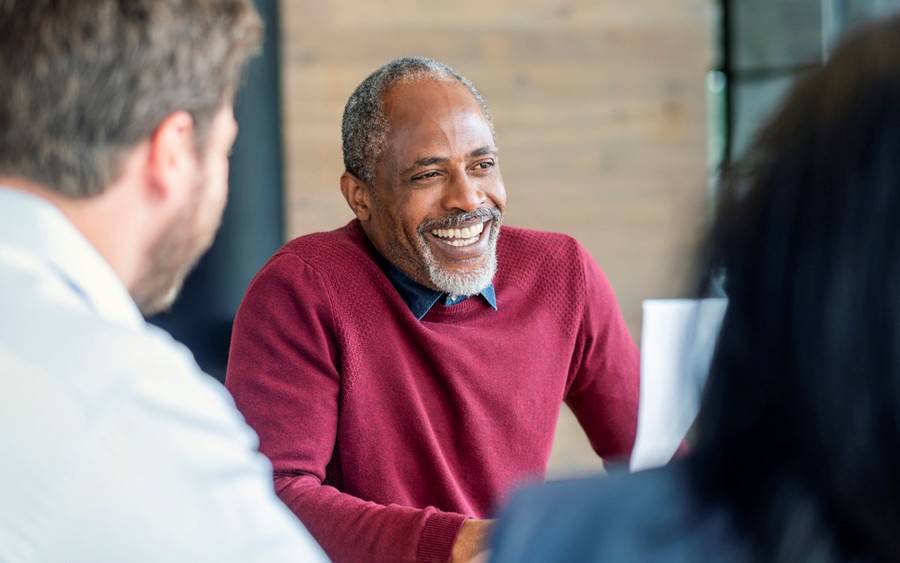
727, 68
253, 223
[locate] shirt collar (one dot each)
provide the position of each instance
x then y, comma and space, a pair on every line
421, 299
33, 226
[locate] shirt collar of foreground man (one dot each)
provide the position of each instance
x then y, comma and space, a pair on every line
394, 439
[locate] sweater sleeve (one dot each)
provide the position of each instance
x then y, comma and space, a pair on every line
604, 382
283, 372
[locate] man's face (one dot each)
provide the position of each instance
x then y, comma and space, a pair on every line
438, 197
192, 230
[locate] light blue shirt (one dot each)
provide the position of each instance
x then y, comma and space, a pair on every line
114, 446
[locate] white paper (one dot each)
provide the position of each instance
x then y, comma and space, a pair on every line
677, 343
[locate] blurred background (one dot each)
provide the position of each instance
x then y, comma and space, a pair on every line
613, 117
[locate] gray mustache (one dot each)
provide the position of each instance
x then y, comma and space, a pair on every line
481, 215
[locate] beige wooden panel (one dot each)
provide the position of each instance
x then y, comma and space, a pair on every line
599, 107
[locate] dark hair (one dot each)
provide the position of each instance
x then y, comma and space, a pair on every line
799, 433
81, 82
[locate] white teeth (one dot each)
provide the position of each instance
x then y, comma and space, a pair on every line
463, 242
460, 237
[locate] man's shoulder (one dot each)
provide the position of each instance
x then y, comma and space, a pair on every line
536, 239
93, 362
568, 520
108, 404
82, 376
522, 250
645, 516
330, 249
311, 267
600, 497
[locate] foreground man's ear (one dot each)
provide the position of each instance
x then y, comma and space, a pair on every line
172, 157
356, 192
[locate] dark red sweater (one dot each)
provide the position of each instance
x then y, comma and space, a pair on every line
386, 432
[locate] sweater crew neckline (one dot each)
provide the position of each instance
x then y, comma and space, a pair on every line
436, 309
440, 311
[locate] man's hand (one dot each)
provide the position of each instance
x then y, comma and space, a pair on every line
471, 541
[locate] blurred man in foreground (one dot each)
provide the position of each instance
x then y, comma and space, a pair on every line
115, 128
406, 370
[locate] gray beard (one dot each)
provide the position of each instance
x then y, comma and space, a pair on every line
468, 283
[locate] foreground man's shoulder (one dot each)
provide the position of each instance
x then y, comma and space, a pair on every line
152, 377
648, 516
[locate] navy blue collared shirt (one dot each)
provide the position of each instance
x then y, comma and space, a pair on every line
421, 299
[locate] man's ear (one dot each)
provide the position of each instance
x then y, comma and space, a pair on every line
173, 156
356, 192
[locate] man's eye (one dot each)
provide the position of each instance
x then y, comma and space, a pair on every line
425, 175
485, 164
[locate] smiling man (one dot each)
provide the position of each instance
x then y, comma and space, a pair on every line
405, 371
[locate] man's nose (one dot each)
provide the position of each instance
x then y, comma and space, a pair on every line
463, 193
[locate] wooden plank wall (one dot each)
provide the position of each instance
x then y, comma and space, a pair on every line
599, 107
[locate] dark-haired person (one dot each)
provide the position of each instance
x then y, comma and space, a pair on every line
115, 128
798, 450
404, 371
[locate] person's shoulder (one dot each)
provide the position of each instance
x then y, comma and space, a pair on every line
83, 354
128, 403
522, 239
114, 371
152, 377
573, 520
101, 394
523, 253
144, 394
168, 380
328, 250
647, 516
600, 496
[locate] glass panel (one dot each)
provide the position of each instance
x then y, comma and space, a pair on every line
857, 11
783, 33
753, 102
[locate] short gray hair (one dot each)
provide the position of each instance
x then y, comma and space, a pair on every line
84, 81
365, 127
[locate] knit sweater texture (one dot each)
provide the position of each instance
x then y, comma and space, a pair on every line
386, 432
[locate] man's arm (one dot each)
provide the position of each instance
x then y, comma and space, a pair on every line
283, 375
605, 380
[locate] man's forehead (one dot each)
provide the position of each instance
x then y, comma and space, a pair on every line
427, 116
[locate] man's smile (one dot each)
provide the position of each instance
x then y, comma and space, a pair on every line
462, 242
460, 236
